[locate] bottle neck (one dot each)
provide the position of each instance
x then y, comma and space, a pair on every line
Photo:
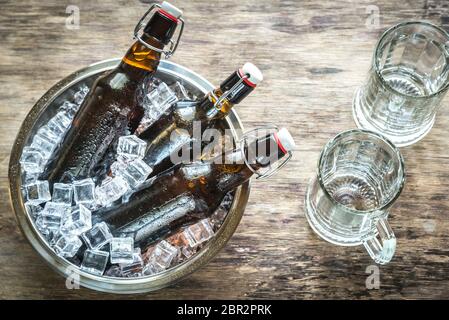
208, 108
259, 154
140, 59
161, 26
235, 93
264, 152
157, 33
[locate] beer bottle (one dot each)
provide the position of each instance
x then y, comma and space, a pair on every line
110, 109
176, 127
189, 192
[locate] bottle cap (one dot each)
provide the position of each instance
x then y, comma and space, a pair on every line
254, 74
171, 10
284, 140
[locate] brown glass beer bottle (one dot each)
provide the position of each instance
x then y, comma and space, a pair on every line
110, 110
176, 127
190, 192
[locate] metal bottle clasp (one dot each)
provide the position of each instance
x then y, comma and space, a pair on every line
219, 101
254, 135
173, 45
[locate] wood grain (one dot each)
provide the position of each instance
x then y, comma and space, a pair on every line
313, 54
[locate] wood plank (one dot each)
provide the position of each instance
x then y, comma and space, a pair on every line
314, 54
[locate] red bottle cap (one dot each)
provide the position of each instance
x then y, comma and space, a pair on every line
284, 140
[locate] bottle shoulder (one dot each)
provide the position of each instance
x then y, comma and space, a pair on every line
117, 80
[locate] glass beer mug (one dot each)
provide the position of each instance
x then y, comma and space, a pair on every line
408, 79
360, 175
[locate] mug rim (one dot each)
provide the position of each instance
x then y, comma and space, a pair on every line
382, 138
375, 62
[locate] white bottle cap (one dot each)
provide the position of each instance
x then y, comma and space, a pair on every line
285, 140
171, 9
254, 74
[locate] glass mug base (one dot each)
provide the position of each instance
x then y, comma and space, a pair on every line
320, 229
399, 140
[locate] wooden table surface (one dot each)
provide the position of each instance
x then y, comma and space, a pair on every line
314, 54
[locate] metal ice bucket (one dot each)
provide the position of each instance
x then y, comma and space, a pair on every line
43, 110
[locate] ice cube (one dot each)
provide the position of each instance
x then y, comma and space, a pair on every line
220, 214
111, 190
48, 223
113, 271
62, 193
48, 134
147, 253
150, 83
98, 236
29, 178
147, 85
38, 192
50, 218
226, 203
157, 102
188, 251
59, 124
159, 99
67, 245
135, 267
79, 96
177, 240
69, 108
32, 160
45, 144
161, 257
121, 250
84, 191
67, 105
118, 166
77, 221
136, 172
57, 209
198, 233
181, 92
105, 181
152, 268
131, 147
34, 210
50, 235
95, 261
180, 241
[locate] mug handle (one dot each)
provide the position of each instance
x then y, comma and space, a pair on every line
382, 246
